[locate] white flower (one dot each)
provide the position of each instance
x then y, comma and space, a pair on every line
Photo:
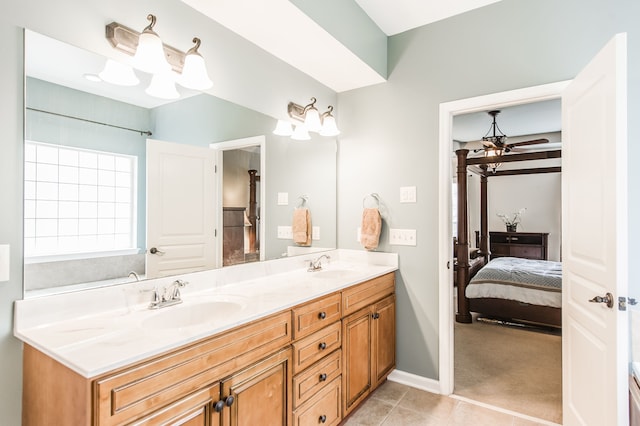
510, 221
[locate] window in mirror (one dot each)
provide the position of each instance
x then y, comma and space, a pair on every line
77, 201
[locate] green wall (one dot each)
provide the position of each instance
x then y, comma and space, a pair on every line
507, 45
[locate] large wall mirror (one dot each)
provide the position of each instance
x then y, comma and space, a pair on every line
87, 183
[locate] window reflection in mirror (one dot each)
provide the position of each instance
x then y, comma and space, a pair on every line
69, 205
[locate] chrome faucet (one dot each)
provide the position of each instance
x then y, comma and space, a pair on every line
134, 275
316, 265
169, 296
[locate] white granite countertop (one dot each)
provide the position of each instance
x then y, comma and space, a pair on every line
96, 331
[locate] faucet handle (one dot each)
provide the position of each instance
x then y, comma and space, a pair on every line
181, 283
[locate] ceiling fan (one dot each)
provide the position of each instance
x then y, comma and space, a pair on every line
496, 141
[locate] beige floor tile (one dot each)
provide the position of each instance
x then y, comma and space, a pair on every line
371, 413
391, 392
466, 414
400, 416
436, 406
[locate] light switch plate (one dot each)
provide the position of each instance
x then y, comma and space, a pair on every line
315, 233
408, 194
283, 198
4, 262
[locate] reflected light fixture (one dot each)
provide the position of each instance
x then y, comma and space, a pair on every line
149, 55
115, 72
152, 56
493, 152
495, 141
313, 121
163, 86
194, 73
300, 133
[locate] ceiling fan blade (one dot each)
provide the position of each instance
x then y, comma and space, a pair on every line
531, 142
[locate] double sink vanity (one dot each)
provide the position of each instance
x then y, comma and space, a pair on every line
263, 343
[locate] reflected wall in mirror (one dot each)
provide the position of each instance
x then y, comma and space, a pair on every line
94, 176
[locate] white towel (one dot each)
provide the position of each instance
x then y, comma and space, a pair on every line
370, 228
301, 226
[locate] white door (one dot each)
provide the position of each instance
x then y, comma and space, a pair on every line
180, 208
594, 252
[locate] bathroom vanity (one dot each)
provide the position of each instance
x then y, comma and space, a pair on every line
266, 343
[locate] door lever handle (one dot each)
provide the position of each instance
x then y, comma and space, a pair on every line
607, 299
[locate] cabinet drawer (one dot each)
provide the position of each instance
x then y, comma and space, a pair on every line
527, 252
315, 315
364, 294
193, 409
323, 408
310, 349
146, 387
316, 377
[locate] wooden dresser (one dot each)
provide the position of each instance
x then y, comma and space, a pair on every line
528, 245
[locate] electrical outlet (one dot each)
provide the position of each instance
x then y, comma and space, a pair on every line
402, 237
408, 194
285, 233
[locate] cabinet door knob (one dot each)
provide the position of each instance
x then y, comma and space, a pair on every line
322, 315
323, 377
218, 406
375, 315
323, 418
228, 401
322, 346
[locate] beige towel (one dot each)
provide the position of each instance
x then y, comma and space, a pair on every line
301, 227
370, 228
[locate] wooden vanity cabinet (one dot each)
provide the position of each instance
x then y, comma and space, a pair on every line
368, 343
309, 365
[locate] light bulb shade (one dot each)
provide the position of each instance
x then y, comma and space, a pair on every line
283, 128
329, 127
163, 86
194, 73
312, 120
149, 55
300, 133
115, 72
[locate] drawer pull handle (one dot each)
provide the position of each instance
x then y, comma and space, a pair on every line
323, 377
218, 406
322, 315
323, 418
322, 346
228, 401
375, 315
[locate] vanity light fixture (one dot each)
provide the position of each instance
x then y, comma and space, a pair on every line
115, 72
311, 120
149, 55
167, 64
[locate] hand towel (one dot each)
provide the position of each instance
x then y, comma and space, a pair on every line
301, 227
370, 228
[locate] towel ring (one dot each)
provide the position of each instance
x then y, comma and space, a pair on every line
374, 196
302, 200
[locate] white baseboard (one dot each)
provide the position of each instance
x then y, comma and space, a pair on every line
415, 381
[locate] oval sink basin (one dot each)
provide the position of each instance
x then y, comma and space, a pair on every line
192, 314
332, 274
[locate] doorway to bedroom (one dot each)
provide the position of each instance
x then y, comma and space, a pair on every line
497, 361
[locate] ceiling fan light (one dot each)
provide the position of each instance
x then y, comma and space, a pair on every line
117, 73
300, 133
283, 128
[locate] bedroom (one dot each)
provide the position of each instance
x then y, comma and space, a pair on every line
536, 199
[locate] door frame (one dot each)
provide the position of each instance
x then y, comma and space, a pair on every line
220, 147
445, 257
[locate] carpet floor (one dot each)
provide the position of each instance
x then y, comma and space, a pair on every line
515, 368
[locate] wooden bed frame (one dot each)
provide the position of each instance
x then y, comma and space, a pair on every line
495, 308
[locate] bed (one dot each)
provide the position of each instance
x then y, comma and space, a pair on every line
497, 299
517, 289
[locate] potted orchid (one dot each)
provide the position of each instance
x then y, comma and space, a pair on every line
513, 220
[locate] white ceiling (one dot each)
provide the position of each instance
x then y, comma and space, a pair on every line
397, 16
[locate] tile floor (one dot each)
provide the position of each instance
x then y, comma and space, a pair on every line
394, 404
